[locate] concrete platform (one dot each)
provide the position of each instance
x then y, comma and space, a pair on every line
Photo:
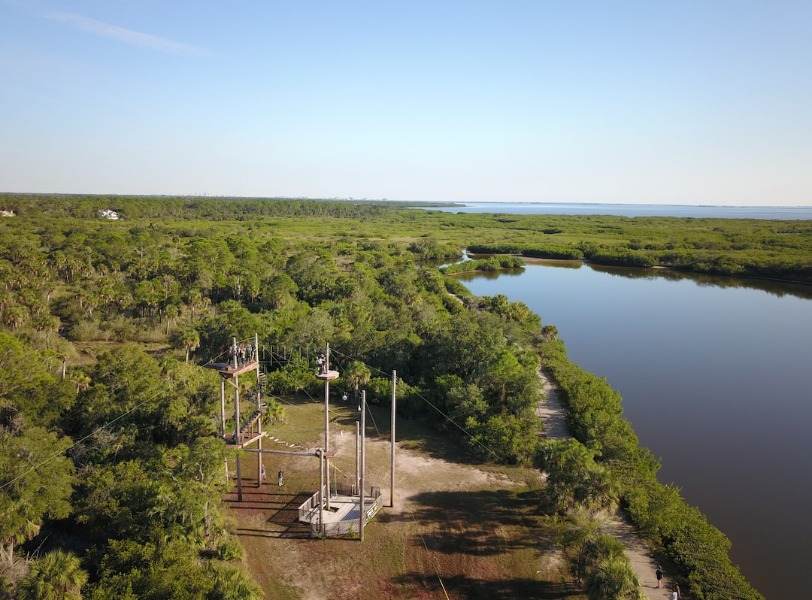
343, 516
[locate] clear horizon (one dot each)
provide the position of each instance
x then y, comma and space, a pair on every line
427, 201
580, 102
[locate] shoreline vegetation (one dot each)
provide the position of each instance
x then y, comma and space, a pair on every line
104, 324
771, 249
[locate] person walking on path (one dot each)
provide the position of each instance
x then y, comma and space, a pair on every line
279, 478
659, 574
554, 415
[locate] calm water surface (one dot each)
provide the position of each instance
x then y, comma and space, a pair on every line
633, 210
715, 381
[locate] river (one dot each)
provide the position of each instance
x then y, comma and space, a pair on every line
714, 375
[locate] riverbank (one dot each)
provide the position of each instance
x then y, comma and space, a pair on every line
554, 417
679, 531
697, 360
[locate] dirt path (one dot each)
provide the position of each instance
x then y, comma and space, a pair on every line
554, 416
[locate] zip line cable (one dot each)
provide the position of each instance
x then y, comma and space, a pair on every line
433, 555
334, 354
76, 443
445, 416
47, 459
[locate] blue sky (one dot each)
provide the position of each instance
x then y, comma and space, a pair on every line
647, 101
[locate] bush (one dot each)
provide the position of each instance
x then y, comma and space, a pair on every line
230, 549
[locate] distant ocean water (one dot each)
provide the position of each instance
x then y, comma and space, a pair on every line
630, 210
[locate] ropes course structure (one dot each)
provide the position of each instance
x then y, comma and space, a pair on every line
244, 357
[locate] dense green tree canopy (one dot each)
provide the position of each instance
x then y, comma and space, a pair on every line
104, 326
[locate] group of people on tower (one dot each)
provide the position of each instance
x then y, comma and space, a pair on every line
244, 354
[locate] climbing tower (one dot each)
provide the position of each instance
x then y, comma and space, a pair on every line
247, 430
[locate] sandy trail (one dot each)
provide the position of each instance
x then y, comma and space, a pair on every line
554, 417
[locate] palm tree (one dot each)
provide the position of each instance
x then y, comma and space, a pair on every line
233, 584
188, 338
56, 576
360, 375
15, 316
613, 579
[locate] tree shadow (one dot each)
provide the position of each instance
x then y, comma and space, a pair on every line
507, 589
472, 522
283, 509
418, 434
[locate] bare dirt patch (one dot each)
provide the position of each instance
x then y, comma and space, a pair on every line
456, 530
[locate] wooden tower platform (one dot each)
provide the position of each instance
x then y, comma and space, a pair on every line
327, 375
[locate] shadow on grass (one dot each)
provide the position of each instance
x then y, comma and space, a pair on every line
283, 521
507, 589
419, 435
474, 522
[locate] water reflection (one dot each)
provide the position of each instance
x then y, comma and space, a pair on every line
775, 288
490, 275
713, 373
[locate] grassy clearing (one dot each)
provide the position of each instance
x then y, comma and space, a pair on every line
471, 530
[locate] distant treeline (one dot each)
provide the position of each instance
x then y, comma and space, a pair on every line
742, 247
762, 259
182, 207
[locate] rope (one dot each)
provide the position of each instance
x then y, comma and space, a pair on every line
436, 566
380, 437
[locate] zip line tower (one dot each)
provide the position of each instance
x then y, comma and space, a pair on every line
327, 513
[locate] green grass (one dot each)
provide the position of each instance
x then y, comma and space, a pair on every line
480, 540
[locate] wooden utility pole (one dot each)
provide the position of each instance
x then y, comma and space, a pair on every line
327, 401
237, 419
239, 479
362, 512
356, 483
259, 409
236, 397
392, 458
321, 491
327, 419
223, 406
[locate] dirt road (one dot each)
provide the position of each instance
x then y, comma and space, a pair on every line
554, 416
